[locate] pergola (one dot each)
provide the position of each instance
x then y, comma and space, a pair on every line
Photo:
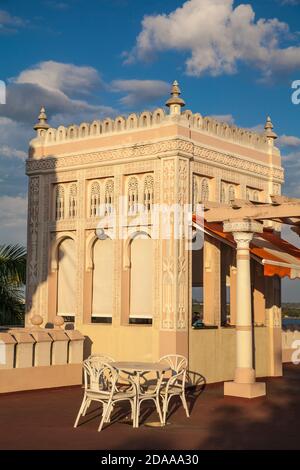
239, 224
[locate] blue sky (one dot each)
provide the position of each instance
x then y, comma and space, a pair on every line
90, 59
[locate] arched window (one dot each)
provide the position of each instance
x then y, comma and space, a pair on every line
255, 196
231, 193
248, 196
95, 199
66, 279
109, 197
59, 202
223, 193
148, 192
102, 294
204, 190
141, 274
73, 201
133, 198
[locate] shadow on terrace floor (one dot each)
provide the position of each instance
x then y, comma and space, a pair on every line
44, 420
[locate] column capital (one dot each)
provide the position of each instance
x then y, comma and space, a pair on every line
242, 239
246, 226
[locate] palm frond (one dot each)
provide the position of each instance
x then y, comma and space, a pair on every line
12, 279
12, 264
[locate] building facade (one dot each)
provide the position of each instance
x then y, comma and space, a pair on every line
132, 295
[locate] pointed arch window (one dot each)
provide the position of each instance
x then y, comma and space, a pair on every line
59, 203
73, 201
95, 199
231, 193
133, 198
109, 197
148, 192
223, 193
141, 279
204, 190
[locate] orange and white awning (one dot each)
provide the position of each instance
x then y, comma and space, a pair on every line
278, 256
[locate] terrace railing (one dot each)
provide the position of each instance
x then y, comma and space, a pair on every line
36, 357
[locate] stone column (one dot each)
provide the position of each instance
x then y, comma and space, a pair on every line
244, 384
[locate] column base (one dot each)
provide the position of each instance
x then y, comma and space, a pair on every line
250, 390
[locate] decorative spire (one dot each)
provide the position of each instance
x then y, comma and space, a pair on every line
269, 129
175, 103
42, 121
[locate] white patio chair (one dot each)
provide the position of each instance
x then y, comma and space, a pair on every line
100, 384
149, 391
175, 384
122, 384
102, 357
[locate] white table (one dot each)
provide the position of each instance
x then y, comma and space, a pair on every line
137, 368
140, 366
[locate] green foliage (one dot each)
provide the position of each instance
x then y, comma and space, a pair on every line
12, 281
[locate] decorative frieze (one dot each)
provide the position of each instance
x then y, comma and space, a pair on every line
156, 149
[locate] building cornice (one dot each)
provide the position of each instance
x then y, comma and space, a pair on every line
155, 150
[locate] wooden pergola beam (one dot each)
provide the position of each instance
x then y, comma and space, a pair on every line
287, 210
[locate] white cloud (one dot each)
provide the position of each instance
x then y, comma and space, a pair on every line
9, 23
56, 86
11, 152
140, 91
288, 141
13, 216
14, 138
60, 77
218, 36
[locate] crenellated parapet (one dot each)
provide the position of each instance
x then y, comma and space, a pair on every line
106, 126
49, 136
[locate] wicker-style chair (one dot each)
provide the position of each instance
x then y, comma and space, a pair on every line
100, 384
149, 391
102, 357
174, 385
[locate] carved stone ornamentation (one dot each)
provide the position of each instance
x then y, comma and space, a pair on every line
33, 230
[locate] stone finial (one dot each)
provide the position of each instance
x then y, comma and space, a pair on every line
42, 121
36, 320
269, 129
175, 103
58, 321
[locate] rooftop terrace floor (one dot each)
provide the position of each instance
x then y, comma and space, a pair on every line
44, 420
